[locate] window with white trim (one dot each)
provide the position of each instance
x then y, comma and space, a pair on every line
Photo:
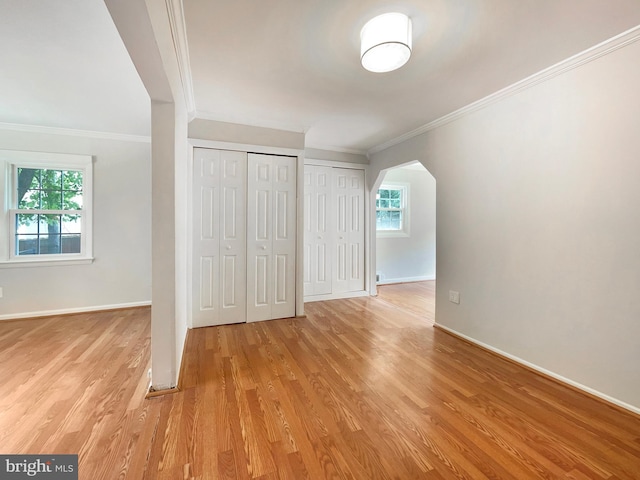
47, 207
392, 210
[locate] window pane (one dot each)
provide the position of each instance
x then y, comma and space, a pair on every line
48, 234
71, 224
30, 199
384, 193
72, 180
26, 244
49, 244
382, 219
389, 220
51, 180
28, 187
26, 223
384, 204
51, 200
395, 193
49, 189
71, 243
394, 203
49, 226
50, 223
395, 221
28, 178
71, 200
72, 190
51, 185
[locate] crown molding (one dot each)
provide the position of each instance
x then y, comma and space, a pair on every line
604, 48
178, 27
124, 137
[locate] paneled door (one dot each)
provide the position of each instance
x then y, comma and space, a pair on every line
318, 230
219, 237
271, 237
348, 192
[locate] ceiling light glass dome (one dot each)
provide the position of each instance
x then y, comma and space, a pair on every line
385, 42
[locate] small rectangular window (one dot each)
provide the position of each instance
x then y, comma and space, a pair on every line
391, 210
49, 213
49, 209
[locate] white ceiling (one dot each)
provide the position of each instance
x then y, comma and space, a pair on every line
64, 65
292, 64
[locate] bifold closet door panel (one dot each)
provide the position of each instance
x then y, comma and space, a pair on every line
348, 192
318, 230
271, 237
219, 237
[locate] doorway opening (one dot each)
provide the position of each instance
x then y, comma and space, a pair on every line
404, 202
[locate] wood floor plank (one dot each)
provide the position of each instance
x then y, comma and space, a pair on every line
362, 388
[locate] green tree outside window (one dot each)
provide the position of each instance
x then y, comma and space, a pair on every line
55, 197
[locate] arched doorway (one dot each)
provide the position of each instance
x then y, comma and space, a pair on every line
403, 232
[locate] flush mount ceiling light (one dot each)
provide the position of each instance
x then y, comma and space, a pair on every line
385, 42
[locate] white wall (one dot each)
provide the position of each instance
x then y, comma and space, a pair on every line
149, 32
538, 224
182, 171
121, 272
412, 258
343, 157
203, 129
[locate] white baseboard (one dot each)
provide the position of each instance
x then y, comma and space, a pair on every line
388, 281
66, 311
543, 371
335, 296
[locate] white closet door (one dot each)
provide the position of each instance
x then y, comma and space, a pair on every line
219, 237
318, 230
271, 237
348, 190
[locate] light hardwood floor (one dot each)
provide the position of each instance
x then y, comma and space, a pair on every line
362, 388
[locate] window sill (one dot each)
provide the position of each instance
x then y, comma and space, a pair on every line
49, 262
391, 234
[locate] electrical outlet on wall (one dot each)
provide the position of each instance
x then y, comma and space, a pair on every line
454, 297
0, 292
